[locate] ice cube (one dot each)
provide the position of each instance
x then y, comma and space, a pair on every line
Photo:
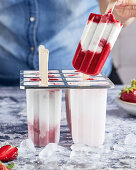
48, 150
53, 152
26, 148
119, 148
130, 140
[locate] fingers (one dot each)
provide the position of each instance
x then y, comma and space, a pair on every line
126, 12
126, 8
132, 7
126, 3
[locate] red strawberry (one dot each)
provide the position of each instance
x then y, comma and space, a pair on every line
129, 94
4, 167
8, 153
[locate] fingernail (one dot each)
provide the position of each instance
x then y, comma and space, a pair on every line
119, 2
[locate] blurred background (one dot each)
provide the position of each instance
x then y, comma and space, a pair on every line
124, 54
24, 25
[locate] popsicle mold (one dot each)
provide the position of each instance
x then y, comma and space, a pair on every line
44, 105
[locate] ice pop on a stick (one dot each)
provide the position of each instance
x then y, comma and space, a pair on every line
97, 41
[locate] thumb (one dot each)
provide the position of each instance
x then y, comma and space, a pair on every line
126, 2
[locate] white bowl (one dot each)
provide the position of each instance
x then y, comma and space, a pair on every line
128, 106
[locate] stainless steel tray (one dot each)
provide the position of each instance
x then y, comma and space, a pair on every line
63, 79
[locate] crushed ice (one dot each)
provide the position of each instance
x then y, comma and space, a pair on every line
82, 156
26, 148
130, 140
53, 153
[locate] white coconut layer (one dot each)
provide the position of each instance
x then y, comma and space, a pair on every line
94, 33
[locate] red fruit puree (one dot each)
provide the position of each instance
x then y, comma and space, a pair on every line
42, 138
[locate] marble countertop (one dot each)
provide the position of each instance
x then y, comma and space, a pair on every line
120, 125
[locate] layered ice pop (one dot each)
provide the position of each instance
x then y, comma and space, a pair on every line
97, 40
43, 115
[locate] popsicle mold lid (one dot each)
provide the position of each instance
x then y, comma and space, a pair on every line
63, 79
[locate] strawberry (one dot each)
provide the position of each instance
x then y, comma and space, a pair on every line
4, 167
8, 153
129, 93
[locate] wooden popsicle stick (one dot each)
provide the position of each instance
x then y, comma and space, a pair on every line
43, 64
84, 76
111, 6
83, 81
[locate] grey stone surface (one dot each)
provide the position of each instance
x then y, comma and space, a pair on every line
116, 153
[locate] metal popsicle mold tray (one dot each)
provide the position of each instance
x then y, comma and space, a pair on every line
63, 79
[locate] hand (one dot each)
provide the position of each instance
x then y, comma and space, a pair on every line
125, 11
126, 8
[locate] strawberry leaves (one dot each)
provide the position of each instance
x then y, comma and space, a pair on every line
10, 166
133, 83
